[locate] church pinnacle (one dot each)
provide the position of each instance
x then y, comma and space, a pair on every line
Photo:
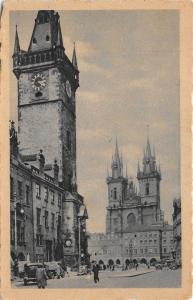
16, 45
116, 163
74, 58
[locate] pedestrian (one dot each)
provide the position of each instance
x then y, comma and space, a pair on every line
68, 270
41, 277
136, 266
96, 272
16, 268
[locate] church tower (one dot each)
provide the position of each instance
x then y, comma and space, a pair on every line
47, 84
117, 188
149, 186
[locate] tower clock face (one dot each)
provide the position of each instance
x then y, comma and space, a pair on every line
38, 81
68, 89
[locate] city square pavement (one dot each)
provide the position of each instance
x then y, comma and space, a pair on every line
127, 279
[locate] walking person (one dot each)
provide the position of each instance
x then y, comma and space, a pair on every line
41, 277
136, 266
96, 272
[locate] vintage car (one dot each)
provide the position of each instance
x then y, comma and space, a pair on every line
30, 272
54, 269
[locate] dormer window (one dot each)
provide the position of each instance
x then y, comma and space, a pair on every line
34, 41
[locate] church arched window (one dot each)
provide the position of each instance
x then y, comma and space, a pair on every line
131, 220
147, 189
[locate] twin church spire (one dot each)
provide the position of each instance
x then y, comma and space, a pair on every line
150, 166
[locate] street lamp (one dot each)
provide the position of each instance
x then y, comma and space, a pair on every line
15, 223
79, 248
21, 211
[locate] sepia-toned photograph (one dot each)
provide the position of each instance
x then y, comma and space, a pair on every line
95, 159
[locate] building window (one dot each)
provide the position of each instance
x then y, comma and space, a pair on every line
11, 187
53, 221
20, 188
37, 190
45, 193
47, 38
59, 200
155, 241
147, 189
68, 140
141, 242
135, 251
27, 194
38, 216
141, 251
145, 250
52, 196
39, 239
145, 242
46, 219
165, 250
155, 250
150, 241
115, 193
164, 241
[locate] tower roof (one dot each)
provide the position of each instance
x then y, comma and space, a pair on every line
59, 38
16, 45
47, 31
74, 58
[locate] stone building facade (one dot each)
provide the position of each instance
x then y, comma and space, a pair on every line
177, 229
135, 227
47, 83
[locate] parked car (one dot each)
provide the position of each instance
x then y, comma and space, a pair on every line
54, 269
84, 270
172, 264
30, 272
158, 266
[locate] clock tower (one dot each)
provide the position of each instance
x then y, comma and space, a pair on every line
47, 84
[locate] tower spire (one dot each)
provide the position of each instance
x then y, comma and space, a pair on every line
116, 162
16, 45
107, 170
126, 173
74, 58
138, 167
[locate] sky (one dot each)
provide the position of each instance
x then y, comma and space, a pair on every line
129, 79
